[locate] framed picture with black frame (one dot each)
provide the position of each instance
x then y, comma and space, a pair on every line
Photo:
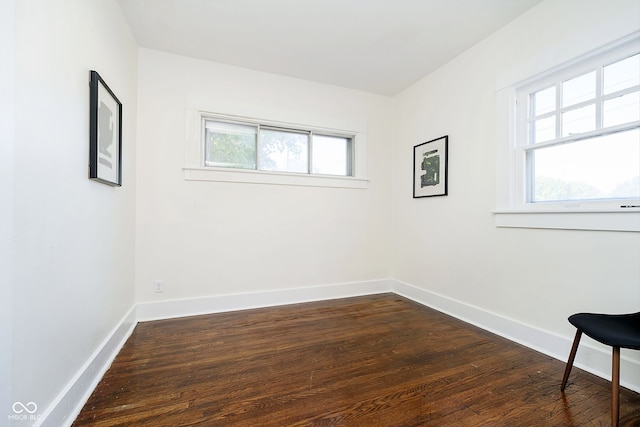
430, 168
105, 128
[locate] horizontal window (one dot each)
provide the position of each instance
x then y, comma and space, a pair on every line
261, 147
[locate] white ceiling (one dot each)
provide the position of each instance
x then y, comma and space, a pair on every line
378, 46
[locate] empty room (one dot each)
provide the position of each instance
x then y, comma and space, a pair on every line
306, 212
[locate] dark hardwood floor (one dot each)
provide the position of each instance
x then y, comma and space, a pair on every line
368, 361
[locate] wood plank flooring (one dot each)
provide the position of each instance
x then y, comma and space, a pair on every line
369, 361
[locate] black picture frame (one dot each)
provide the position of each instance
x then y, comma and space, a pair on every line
430, 168
105, 129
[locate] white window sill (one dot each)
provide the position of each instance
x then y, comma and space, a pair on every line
273, 178
605, 220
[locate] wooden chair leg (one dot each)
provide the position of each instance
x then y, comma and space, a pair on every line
572, 356
615, 387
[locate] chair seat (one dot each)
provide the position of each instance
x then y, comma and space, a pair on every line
616, 330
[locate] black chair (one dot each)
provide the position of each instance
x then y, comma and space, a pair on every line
618, 331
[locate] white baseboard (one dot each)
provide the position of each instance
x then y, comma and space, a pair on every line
591, 356
67, 405
234, 302
69, 402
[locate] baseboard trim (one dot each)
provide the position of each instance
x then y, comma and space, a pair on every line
591, 357
233, 302
67, 405
69, 402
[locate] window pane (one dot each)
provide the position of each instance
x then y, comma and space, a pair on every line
623, 109
230, 145
284, 151
544, 129
579, 120
580, 89
622, 74
544, 101
597, 168
330, 155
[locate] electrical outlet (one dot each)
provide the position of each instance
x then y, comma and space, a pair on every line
158, 286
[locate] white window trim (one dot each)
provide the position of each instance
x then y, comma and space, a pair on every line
194, 169
628, 220
273, 178
510, 210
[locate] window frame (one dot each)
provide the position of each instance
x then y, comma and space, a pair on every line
525, 117
194, 169
512, 206
259, 160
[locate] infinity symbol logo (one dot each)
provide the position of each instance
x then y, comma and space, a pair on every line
20, 407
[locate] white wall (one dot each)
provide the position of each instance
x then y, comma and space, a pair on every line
7, 123
216, 238
450, 245
68, 254
73, 238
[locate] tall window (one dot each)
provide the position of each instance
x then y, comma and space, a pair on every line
578, 132
243, 145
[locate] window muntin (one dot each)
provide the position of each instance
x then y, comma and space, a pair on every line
243, 145
582, 132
